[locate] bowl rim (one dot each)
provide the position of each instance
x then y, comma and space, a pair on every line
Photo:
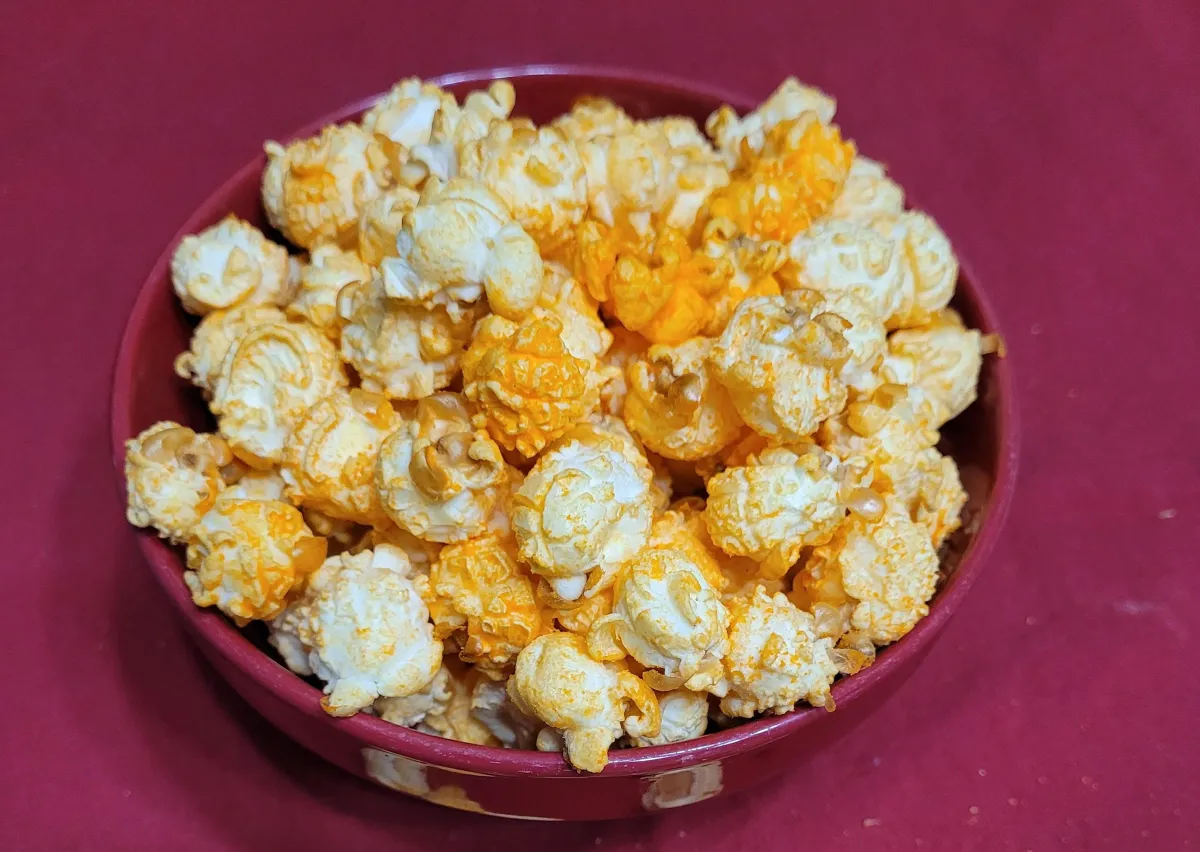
222, 637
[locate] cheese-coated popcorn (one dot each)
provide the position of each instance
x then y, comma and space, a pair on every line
230, 264
748, 265
779, 503
329, 459
931, 267
458, 243
591, 703
536, 172
942, 359
866, 340
576, 616
216, 334
527, 385
564, 298
173, 476
591, 117
736, 137
626, 347
886, 567
438, 476
410, 711
868, 194
245, 557
626, 178
444, 708
586, 505
790, 184
480, 592
684, 717
252, 484
675, 406
364, 629
404, 118
328, 270
694, 170
401, 351
267, 382
834, 256
421, 553
315, 189
775, 657
682, 528
380, 222
780, 358
669, 618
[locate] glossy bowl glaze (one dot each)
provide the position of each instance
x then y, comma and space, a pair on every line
523, 784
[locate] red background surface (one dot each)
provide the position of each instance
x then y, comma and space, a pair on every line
1055, 141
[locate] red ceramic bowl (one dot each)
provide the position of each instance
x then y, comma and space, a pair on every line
534, 785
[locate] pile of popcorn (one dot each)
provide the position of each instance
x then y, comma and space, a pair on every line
598, 433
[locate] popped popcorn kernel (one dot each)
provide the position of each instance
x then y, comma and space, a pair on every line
669, 618
538, 174
361, 627
842, 257
400, 351
246, 483
216, 334
749, 267
942, 359
931, 267
681, 527
444, 708
173, 476
790, 184
792, 99
438, 476
626, 347
315, 189
590, 703
404, 119
457, 244
421, 553
564, 298
492, 708
246, 556
381, 221
230, 264
526, 384
328, 270
591, 117
868, 195
329, 459
480, 592
780, 358
775, 657
886, 568
585, 507
684, 717
268, 380
782, 501
675, 406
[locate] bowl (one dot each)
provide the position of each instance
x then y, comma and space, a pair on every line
528, 784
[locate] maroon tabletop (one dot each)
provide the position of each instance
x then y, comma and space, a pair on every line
1055, 141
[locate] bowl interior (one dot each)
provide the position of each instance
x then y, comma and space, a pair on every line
146, 390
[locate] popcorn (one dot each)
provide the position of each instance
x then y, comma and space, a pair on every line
668, 618
458, 243
172, 478
780, 358
328, 270
565, 299
528, 386
625, 349
246, 556
775, 658
736, 136
694, 170
868, 195
381, 221
536, 172
215, 336
491, 706
584, 507
421, 553
682, 528
252, 484
889, 431
479, 592
780, 191
228, 265
931, 268
267, 382
400, 351
575, 616
591, 703
684, 717
748, 265
362, 628
438, 476
593, 117
842, 257
410, 711
315, 189
675, 406
942, 359
782, 501
329, 459
886, 568
444, 708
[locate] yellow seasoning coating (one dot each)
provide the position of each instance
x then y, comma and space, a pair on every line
328, 270
173, 476
216, 334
